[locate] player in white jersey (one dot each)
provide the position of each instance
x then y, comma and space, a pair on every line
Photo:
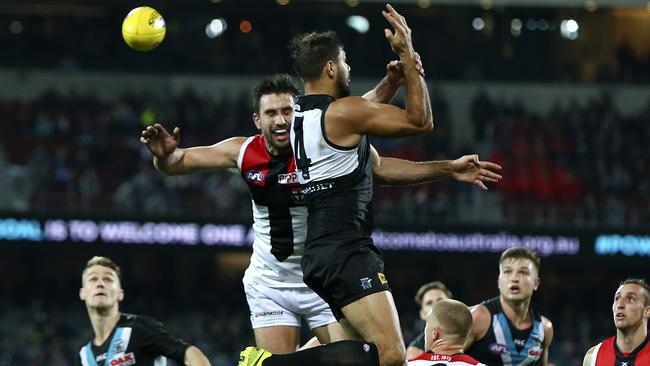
275, 291
447, 326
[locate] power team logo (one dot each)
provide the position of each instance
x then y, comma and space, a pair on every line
366, 283
124, 360
535, 352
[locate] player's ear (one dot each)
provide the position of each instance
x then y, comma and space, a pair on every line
82, 294
120, 296
537, 283
256, 120
436, 334
330, 68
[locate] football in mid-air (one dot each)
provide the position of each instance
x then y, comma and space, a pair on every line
143, 28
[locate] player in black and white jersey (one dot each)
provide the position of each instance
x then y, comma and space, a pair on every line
335, 164
275, 291
506, 330
122, 339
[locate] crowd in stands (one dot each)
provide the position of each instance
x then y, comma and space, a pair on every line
450, 47
580, 164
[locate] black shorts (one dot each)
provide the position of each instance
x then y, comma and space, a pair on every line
343, 268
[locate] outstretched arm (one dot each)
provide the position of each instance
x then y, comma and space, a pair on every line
172, 160
392, 171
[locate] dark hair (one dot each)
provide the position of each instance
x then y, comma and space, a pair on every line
310, 52
104, 262
435, 285
639, 282
274, 84
521, 253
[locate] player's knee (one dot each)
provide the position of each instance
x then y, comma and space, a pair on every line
392, 355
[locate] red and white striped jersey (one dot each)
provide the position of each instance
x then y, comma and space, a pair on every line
280, 218
607, 354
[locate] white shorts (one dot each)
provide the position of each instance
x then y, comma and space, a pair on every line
285, 306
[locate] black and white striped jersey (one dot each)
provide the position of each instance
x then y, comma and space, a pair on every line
336, 181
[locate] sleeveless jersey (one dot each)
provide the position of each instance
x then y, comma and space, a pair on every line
433, 359
336, 181
135, 340
279, 217
606, 353
506, 345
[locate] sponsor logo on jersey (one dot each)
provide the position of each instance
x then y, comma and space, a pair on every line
535, 352
265, 314
124, 360
499, 349
254, 176
519, 342
382, 278
366, 283
290, 178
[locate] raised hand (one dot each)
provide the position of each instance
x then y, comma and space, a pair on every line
160, 142
395, 70
469, 169
400, 39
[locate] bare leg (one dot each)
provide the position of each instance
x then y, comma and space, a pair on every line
329, 333
278, 339
375, 318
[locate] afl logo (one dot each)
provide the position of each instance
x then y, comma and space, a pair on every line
535, 352
254, 176
498, 349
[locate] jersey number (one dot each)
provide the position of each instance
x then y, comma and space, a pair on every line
302, 161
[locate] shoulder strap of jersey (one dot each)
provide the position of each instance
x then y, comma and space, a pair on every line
242, 151
493, 305
594, 354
